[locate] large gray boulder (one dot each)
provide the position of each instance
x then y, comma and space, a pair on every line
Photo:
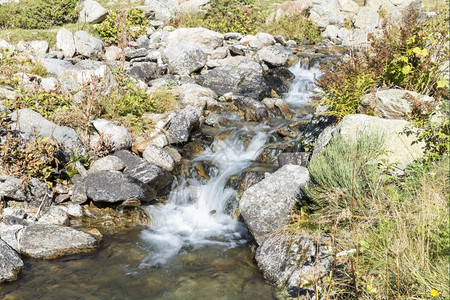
326, 12
10, 263
48, 241
206, 38
195, 95
65, 42
283, 257
146, 71
150, 174
57, 66
108, 163
118, 135
92, 12
184, 58
88, 46
265, 206
243, 79
367, 19
36, 48
399, 148
394, 103
29, 121
114, 187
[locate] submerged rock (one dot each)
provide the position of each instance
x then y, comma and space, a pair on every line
283, 258
10, 263
253, 110
265, 206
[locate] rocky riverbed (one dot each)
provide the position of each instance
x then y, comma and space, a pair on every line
222, 169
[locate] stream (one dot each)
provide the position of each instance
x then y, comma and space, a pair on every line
194, 248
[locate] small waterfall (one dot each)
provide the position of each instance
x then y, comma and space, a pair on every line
301, 90
198, 214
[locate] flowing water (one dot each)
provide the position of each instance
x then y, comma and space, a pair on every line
194, 248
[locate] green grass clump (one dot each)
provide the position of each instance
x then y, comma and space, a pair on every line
38, 14
121, 26
398, 225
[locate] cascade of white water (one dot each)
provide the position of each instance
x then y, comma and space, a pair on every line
195, 213
301, 89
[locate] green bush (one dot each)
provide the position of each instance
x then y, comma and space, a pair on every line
411, 56
296, 27
121, 26
38, 14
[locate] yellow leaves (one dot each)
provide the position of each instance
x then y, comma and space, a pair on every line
420, 52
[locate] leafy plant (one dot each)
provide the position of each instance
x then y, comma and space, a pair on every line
295, 27
121, 26
35, 14
36, 158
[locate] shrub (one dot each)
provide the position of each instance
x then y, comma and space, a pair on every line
38, 14
296, 27
121, 26
224, 16
410, 57
27, 159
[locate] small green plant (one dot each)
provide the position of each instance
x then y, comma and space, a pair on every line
36, 158
38, 14
121, 26
70, 166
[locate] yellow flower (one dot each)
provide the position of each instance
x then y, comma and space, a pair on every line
434, 293
371, 289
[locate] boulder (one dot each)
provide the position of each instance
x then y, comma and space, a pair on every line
145, 71
243, 79
195, 95
158, 156
349, 6
180, 123
113, 187
107, 163
326, 12
367, 19
10, 263
184, 58
88, 46
49, 241
92, 12
148, 173
135, 53
36, 48
294, 158
399, 148
395, 103
282, 258
118, 135
113, 53
11, 187
4, 45
164, 9
265, 206
279, 79
261, 40
29, 121
79, 195
56, 66
65, 42
205, 38
54, 215
34, 83
274, 55
252, 110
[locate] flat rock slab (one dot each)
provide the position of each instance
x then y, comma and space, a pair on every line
49, 241
112, 187
10, 263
